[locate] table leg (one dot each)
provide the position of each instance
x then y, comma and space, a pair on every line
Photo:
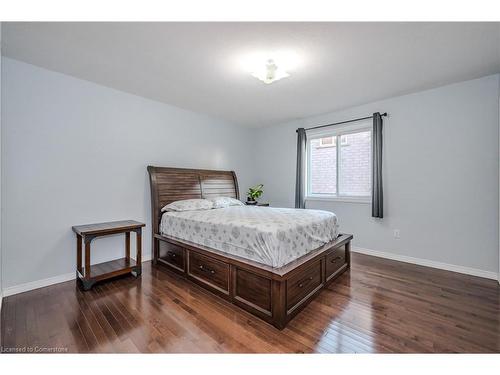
87, 258
127, 246
139, 251
79, 253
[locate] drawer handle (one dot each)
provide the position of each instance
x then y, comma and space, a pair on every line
334, 260
303, 282
171, 254
201, 267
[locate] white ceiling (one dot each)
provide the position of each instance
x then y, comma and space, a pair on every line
196, 65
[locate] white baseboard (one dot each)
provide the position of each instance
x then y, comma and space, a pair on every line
427, 263
16, 289
21, 288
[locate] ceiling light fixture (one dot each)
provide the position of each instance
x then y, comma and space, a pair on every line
270, 72
270, 66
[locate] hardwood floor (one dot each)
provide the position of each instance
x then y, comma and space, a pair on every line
377, 306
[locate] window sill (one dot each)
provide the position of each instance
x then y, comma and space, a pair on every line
362, 200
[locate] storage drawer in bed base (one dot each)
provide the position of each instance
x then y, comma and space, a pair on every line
272, 296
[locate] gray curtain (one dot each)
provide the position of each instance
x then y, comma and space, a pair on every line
377, 190
301, 169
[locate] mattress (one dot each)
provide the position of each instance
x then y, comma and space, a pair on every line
271, 236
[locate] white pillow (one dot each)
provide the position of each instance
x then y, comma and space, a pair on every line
189, 205
222, 202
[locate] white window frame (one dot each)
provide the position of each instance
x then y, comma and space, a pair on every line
335, 131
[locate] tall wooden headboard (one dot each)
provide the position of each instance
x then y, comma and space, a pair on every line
173, 184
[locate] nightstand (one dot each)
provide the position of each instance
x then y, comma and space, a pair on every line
258, 204
89, 275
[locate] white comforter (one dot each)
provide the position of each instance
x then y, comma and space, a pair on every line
272, 236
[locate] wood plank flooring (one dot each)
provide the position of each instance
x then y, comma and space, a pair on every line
377, 306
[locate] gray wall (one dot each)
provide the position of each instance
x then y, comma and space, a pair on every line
74, 152
441, 173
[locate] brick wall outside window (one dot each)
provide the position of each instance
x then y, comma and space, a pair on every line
323, 168
355, 166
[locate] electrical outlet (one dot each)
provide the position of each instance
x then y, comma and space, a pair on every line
396, 234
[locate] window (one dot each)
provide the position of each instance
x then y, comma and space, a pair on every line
327, 142
331, 141
340, 172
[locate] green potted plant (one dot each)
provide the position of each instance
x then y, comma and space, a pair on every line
254, 193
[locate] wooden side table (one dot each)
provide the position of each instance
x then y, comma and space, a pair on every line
258, 204
89, 275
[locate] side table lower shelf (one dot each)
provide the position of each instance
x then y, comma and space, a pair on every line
106, 270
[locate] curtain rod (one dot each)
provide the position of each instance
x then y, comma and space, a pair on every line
344, 122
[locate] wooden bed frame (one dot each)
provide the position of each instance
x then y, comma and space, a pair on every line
275, 295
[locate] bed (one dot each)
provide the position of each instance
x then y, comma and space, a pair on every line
269, 236
269, 261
